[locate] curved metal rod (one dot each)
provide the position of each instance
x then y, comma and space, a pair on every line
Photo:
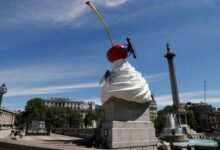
101, 19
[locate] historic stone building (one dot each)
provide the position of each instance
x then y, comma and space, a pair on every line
153, 109
81, 106
7, 117
217, 115
207, 117
67, 103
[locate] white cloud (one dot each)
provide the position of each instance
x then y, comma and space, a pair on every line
49, 89
39, 73
213, 96
25, 81
50, 11
47, 10
156, 77
74, 12
33, 74
111, 3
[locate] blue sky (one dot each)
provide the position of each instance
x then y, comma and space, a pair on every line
57, 48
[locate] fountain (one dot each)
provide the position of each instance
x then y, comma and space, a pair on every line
173, 132
174, 127
177, 120
171, 118
178, 139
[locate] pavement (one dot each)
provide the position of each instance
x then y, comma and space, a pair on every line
53, 141
5, 133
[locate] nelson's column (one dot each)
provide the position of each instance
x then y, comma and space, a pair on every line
169, 55
176, 109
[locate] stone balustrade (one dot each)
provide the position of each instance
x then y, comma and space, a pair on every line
211, 136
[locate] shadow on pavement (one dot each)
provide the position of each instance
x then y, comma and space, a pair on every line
79, 142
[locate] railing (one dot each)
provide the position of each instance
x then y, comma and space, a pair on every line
211, 136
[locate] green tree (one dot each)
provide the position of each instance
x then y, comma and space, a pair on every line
97, 115
75, 119
57, 116
191, 119
198, 115
90, 116
20, 119
35, 108
160, 123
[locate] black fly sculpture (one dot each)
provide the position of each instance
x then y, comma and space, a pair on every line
131, 51
105, 77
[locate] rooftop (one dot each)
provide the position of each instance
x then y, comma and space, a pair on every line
7, 110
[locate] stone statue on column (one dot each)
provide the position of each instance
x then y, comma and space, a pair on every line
177, 109
3, 90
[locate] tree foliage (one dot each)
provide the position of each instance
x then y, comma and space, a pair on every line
191, 119
160, 123
90, 116
63, 117
35, 108
75, 119
20, 119
59, 117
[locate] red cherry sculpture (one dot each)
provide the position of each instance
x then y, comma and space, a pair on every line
117, 52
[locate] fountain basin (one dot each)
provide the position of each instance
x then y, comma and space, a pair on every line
198, 144
175, 138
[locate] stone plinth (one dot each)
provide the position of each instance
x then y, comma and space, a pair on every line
127, 125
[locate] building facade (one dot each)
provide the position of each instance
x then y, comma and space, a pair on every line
217, 115
207, 117
153, 109
67, 103
7, 117
81, 106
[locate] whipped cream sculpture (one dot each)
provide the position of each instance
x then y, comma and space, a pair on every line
123, 81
